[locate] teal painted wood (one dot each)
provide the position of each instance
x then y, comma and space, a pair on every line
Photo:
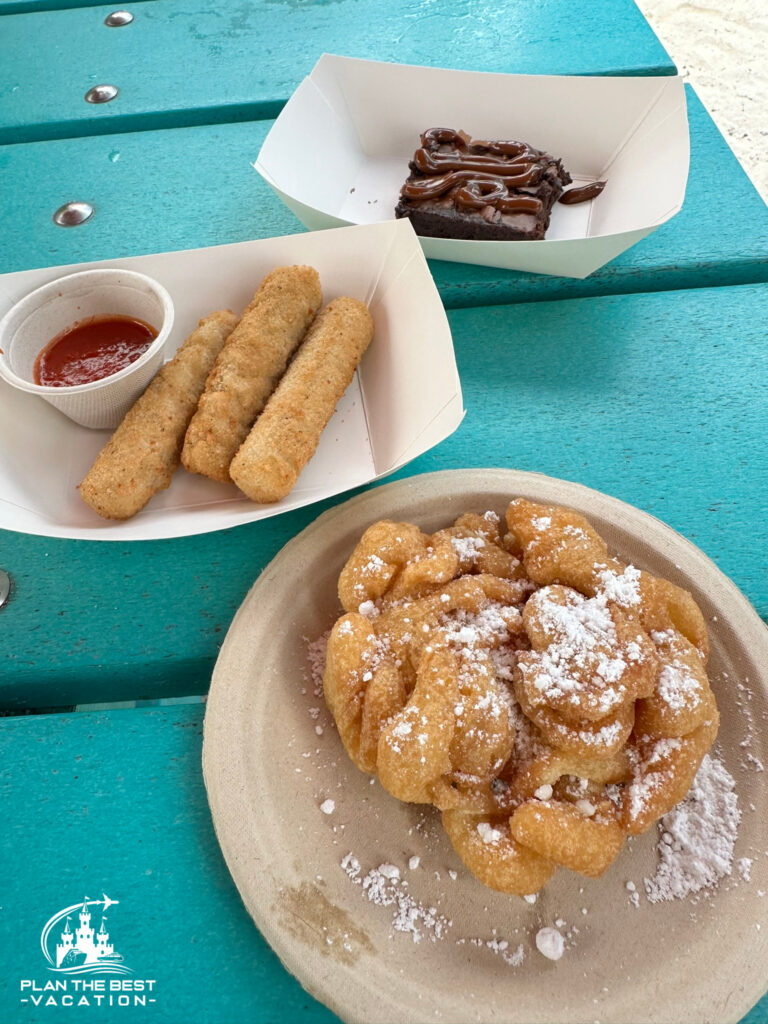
184, 188
115, 802
658, 399
187, 62
87, 815
28, 6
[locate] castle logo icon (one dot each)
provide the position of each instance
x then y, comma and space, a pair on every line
82, 949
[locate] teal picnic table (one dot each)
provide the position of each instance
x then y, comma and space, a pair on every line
646, 381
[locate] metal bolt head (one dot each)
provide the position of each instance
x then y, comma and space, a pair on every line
101, 94
71, 214
118, 18
5, 587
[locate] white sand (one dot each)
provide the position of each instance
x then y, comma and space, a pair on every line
721, 47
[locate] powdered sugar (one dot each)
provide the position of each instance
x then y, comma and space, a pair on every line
744, 867
702, 832
488, 833
634, 895
467, 548
582, 632
677, 686
316, 652
501, 947
384, 887
550, 943
621, 588
646, 783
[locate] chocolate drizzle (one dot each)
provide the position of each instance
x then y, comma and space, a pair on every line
472, 182
478, 174
583, 194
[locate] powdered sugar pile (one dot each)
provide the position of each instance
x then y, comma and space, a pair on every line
696, 848
384, 887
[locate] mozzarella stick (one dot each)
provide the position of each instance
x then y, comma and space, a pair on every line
142, 454
286, 435
249, 367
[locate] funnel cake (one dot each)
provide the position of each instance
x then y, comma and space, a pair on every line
547, 698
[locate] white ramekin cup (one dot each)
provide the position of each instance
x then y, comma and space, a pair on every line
36, 319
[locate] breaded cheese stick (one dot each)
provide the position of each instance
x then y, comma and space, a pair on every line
142, 454
286, 435
249, 367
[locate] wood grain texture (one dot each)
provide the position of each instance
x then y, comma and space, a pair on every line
187, 62
190, 187
658, 399
119, 805
115, 802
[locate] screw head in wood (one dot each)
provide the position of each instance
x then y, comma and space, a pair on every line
101, 94
118, 18
71, 214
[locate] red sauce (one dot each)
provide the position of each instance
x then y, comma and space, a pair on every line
91, 350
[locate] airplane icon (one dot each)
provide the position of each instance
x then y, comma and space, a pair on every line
108, 902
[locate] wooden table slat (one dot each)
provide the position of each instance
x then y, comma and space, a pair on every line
658, 399
120, 807
185, 62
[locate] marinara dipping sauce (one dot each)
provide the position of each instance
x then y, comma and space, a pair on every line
91, 350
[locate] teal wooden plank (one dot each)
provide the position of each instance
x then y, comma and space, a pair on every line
185, 62
165, 190
659, 399
115, 802
86, 816
28, 6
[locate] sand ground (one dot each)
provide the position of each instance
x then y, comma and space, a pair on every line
721, 48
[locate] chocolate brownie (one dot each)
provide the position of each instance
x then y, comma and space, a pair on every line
461, 187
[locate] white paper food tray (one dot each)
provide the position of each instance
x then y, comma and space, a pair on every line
339, 151
405, 398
